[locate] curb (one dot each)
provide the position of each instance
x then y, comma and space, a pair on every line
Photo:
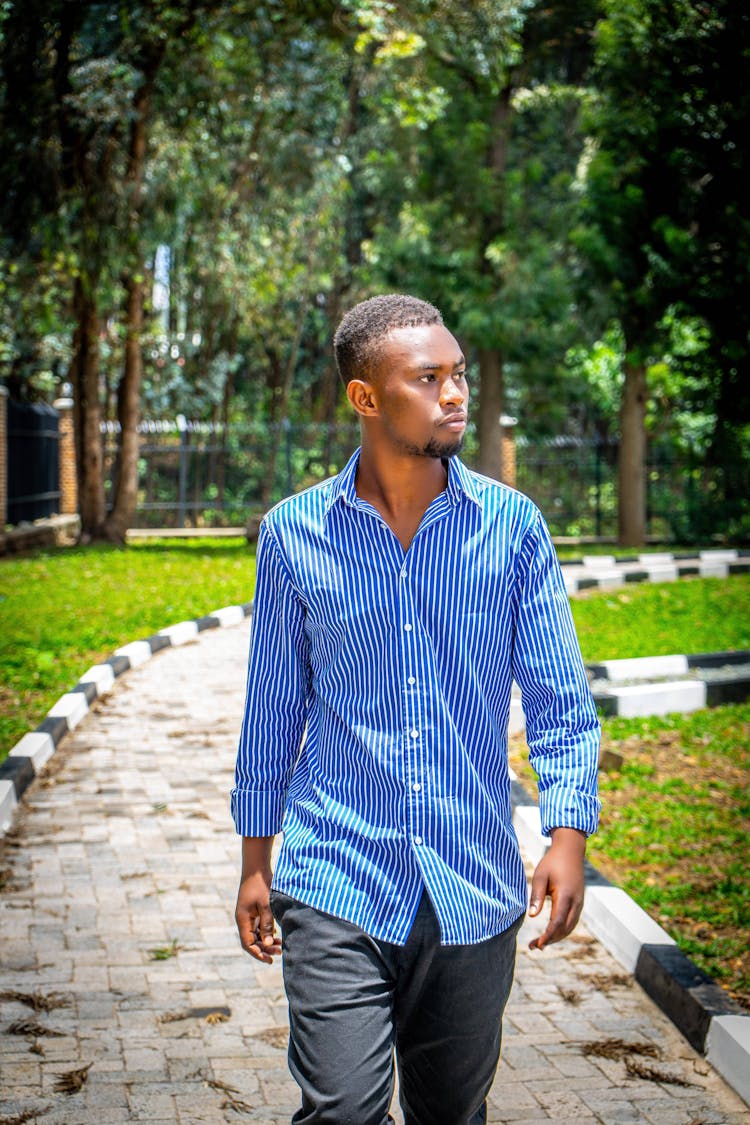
704, 1013
605, 571
35, 749
711, 1021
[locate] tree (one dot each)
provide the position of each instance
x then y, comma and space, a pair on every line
668, 228
479, 196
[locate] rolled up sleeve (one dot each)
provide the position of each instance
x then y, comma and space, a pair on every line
562, 726
278, 684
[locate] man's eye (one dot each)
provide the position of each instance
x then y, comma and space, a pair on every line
428, 378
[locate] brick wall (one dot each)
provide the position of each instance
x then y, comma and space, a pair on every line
68, 478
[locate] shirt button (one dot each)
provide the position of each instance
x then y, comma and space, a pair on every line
407, 627
414, 733
417, 839
416, 786
412, 680
402, 574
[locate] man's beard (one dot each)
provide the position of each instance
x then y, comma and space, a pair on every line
433, 448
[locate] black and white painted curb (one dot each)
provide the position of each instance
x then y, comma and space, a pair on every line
601, 571
36, 748
649, 685
706, 1015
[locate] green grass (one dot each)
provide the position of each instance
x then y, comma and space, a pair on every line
691, 615
674, 830
63, 610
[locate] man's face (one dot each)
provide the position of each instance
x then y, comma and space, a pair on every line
420, 392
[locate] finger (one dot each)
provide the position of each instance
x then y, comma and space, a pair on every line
539, 884
267, 926
247, 926
565, 914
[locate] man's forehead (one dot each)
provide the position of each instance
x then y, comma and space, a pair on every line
422, 345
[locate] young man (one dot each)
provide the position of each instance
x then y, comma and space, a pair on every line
394, 605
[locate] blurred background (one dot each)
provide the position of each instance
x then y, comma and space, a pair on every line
194, 193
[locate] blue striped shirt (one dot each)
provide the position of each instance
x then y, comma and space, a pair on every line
379, 681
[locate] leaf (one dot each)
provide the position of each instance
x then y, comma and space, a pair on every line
164, 952
33, 1027
71, 1081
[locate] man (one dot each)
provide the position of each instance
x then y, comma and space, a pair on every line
394, 605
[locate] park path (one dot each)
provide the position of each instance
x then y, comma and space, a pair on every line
125, 847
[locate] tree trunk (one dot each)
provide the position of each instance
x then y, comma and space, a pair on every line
84, 375
490, 411
282, 404
128, 408
631, 471
129, 390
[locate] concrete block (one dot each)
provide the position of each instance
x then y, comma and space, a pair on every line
229, 615
728, 554
571, 583
597, 562
37, 746
727, 689
137, 652
528, 826
659, 699
656, 558
728, 1049
664, 572
713, 569
516, 718
682, 991
644, 667
620, 924
604, 577
72, 707
8, 803
181, 633
102, 676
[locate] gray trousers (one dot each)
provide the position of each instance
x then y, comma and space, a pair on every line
352, 999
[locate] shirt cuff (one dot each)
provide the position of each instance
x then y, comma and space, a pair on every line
563, 808
258, 812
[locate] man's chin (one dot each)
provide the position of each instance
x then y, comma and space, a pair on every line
443, 449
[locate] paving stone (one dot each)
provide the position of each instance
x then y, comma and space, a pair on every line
103, 875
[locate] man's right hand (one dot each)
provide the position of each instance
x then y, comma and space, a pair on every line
253, 915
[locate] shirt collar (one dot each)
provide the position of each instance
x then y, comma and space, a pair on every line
461, 482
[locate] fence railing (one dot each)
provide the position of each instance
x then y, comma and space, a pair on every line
196, 473
33, 461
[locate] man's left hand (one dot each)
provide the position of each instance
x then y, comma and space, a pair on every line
560, 875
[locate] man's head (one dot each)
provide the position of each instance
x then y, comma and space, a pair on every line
364, 328
405, 377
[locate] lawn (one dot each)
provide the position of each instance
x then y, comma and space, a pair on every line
61, 611
691, 615
674, 830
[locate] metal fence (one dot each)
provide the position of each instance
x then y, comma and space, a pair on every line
193, 473
33, 461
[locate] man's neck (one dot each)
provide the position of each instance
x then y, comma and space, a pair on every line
399, 485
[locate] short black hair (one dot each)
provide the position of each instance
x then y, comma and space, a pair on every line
361, 329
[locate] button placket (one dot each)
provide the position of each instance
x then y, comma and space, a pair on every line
412, 734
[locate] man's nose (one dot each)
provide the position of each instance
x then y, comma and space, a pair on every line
451, 393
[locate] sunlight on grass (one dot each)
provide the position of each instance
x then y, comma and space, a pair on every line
674, 830
61, 611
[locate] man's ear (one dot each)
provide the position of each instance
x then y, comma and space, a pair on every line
362, 397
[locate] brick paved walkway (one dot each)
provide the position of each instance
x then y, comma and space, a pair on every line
125, 846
